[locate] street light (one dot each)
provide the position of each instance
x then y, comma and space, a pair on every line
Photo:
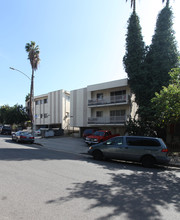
33, 125
20, 72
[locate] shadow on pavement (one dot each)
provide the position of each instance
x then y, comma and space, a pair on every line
138, 195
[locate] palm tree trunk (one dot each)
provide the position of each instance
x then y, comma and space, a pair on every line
31, 98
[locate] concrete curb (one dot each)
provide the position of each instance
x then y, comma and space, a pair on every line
38, 144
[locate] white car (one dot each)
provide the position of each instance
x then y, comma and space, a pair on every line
38, 132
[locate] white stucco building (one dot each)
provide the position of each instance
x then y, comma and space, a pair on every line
106, 105
52, 110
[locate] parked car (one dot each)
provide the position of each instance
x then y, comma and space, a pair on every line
99, 136
5, 130
23, 136
38, 132
88, 132
146, 150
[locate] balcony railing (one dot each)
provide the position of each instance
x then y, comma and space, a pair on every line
107, 120
109, 100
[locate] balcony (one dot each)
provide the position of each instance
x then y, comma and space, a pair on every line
111, 100
107, 120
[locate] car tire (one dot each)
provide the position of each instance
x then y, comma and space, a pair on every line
148, 161
98, 155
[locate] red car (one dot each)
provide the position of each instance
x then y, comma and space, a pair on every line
99, 136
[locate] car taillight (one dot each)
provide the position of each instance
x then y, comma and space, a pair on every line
164, 150
22, 136
31, 137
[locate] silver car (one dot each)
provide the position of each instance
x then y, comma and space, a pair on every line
146, 150
23, 136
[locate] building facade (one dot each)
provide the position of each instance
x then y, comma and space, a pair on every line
52, 110
105, 106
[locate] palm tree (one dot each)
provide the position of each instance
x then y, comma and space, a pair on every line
133, 5
33, 56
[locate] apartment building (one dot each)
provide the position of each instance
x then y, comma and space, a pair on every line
52, 110
106, 105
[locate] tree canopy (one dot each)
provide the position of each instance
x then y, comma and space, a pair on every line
13, 115
167, 102
33, 54
135, 55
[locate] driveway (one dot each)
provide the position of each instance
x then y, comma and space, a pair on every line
66, 144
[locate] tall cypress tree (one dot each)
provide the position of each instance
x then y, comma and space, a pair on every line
135, 54
148, 69
162, 55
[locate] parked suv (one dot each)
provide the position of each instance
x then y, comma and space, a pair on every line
146, 150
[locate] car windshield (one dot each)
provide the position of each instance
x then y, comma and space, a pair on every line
99, 133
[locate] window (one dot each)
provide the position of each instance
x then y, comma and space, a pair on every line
45, 101
117, 113
142, 142
121, 92
99, 114
99, 133
41, 101
45, 115
118, 96
99, 96
41, 115
115, 141
119, 141
37, 102
117, 116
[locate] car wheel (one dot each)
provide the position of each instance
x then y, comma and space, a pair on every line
97, 155
148, 161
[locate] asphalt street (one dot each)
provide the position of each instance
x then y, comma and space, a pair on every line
42, 183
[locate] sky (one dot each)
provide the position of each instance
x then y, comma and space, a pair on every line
82, 42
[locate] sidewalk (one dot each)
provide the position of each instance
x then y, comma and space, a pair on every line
78, 146
175, 161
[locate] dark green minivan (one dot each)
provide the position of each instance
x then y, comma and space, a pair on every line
146, 150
